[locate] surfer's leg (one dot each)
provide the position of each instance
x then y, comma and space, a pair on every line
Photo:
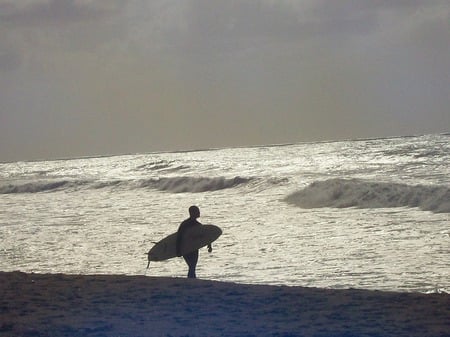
191, 260
188, 259
193, 264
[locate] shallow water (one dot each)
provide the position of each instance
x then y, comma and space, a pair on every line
368, 214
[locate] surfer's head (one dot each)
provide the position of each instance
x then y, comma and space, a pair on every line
194, 212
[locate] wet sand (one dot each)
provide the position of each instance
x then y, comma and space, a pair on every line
116, 305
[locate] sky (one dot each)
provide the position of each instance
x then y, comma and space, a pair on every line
89, 77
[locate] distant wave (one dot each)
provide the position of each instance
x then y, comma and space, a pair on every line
173, 185
430, 153
411, 149
161, 166
360, 193
193, 184
35, 187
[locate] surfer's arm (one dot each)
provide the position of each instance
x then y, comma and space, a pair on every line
209, 248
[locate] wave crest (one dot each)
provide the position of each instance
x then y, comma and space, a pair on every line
193, 184
341, 193
173, 185
161, 166
34, 187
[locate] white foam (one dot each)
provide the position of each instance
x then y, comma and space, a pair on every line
342, 193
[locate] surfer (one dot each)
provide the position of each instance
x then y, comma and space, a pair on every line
190, 258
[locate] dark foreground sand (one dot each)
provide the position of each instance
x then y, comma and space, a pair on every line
110, 305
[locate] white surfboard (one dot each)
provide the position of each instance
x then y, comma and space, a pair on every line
194, 238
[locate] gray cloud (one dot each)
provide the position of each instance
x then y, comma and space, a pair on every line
9, 60
51, 12
84, 77
231, 26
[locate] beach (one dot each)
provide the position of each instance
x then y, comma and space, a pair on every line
119, 305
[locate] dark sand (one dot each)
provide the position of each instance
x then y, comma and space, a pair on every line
113, 306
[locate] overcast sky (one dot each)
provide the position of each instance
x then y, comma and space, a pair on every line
88, 77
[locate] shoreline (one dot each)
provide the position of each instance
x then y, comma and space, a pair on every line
119, 305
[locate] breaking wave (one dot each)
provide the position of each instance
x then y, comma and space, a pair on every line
341, 193
36, 186
173, 185
193, 184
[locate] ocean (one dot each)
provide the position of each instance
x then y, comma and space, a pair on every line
370, 214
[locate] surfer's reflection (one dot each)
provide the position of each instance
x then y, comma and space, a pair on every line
192, 257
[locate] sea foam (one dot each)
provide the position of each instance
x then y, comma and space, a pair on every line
341, 193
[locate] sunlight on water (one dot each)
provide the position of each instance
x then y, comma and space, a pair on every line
101, 215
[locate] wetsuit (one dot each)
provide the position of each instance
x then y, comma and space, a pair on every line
192, 257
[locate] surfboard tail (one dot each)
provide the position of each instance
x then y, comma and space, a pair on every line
148, 256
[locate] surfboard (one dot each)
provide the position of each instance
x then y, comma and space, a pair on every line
194, 238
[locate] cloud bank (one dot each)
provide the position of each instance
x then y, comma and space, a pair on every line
82, 77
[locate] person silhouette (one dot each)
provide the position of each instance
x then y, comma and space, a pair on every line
192, 257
